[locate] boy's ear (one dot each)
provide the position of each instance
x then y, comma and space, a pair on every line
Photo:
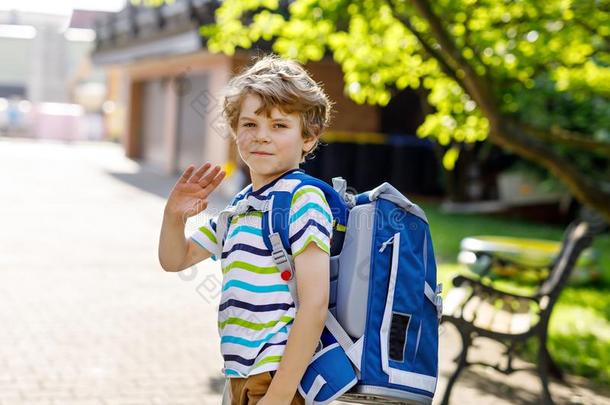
309, 143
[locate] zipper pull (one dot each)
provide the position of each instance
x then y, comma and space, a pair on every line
386, 243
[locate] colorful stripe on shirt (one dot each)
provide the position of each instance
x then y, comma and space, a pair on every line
256, 310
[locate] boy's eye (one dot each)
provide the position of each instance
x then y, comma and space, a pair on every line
249, 124
280, 126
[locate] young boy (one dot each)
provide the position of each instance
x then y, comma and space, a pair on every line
276, 113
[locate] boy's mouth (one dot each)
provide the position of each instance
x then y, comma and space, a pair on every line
261, 153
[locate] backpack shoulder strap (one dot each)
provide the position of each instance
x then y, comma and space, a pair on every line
276, 221
279, 220
339, 211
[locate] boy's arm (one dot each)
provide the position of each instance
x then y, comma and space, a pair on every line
188, 197
177, 253
312, 273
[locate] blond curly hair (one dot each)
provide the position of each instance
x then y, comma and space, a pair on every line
282, 84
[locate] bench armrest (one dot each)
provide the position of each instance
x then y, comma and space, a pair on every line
478, 286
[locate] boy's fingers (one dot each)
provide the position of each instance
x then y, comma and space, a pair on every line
186, 174
216, 181
218, 178
213, 184
209, 177
195, 178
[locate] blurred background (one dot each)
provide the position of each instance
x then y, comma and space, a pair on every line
47, 78
493, 116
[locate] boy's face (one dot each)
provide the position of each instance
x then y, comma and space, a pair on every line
269, 145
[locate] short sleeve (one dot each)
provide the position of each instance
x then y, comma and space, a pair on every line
205, 236
310, 220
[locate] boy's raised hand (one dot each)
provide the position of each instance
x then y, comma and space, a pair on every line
190, 194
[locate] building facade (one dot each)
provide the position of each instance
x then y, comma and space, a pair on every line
167, 89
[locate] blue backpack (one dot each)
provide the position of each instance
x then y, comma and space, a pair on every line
380, 340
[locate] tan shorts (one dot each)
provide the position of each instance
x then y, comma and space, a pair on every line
248, 391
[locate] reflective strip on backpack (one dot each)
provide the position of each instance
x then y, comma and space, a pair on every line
435, 298
396, 376
353, 350
413, 380
314, 390
387, 313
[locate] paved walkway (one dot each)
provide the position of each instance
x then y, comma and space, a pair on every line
88, 316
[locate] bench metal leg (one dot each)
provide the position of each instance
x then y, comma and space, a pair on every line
553, 368
543, 368
461, 364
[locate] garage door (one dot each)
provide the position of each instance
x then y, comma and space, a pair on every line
152, 123
194, 103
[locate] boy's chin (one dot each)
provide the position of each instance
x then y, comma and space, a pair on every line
267, 171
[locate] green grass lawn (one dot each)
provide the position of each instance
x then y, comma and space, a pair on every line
579, 331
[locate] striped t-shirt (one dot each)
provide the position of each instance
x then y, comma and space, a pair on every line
256, 309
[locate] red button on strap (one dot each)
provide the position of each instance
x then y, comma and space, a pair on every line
286, 275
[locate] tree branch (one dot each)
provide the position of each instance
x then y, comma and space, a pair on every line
477, 88
569, 138
475, 51
445, 66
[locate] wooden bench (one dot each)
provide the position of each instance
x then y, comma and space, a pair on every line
479, 310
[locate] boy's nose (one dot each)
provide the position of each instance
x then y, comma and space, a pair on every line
261, 136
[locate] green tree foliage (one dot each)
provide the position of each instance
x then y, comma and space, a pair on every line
532, 77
